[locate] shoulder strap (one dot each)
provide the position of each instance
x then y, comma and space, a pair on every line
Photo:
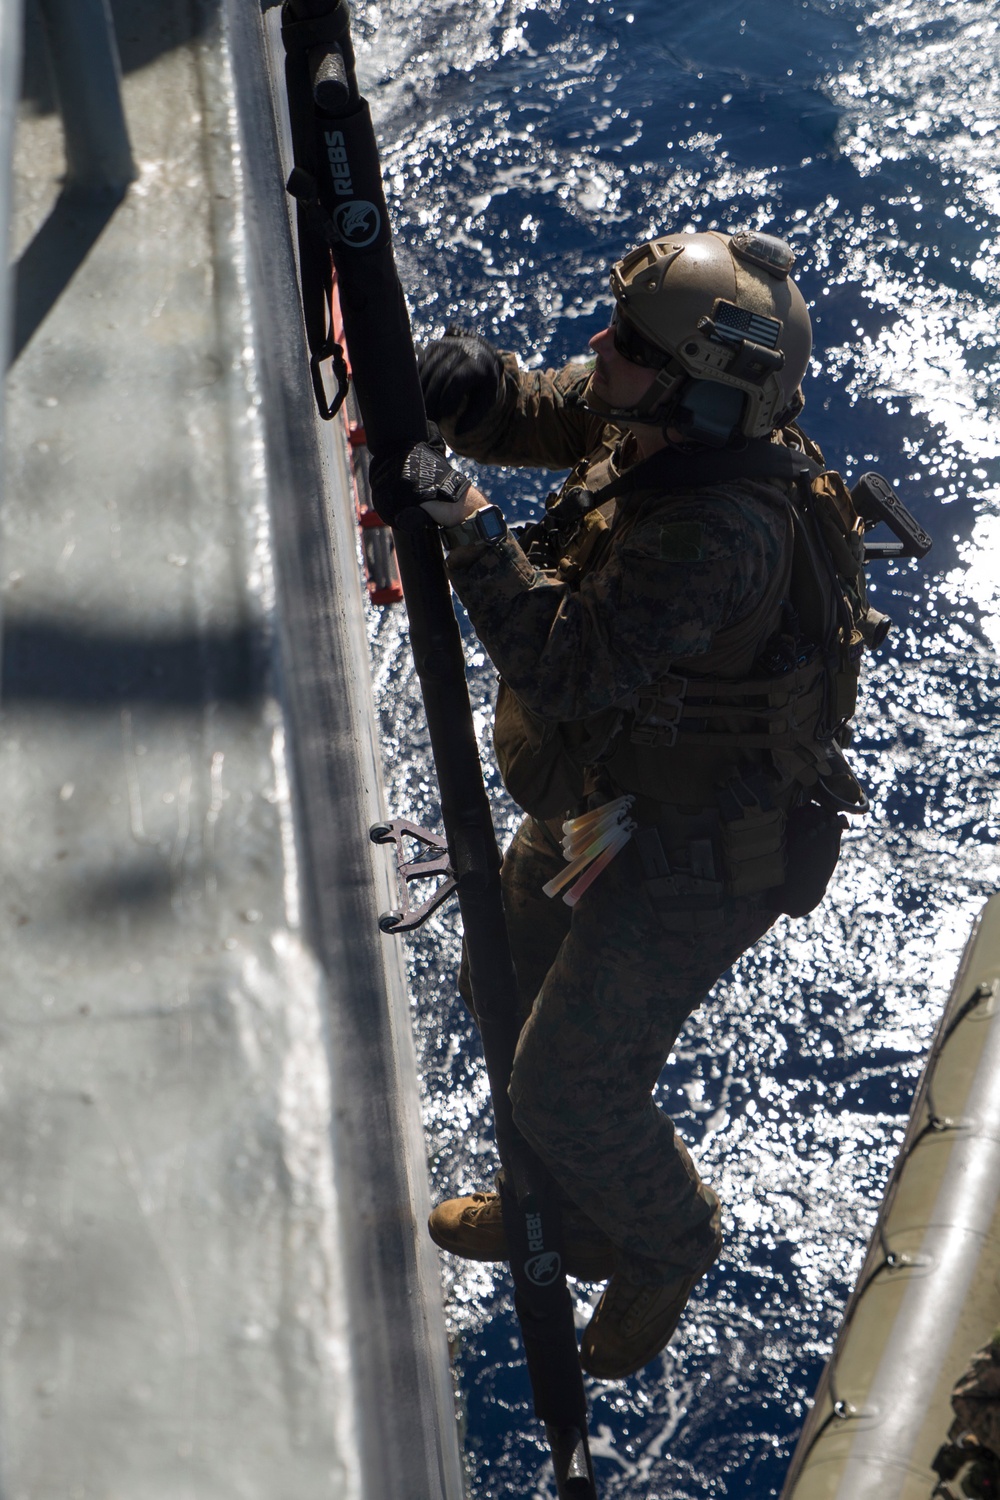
671, 470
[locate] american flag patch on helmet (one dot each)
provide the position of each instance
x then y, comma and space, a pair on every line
737, 323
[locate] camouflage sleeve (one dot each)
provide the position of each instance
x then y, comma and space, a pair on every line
537, 421
665, 587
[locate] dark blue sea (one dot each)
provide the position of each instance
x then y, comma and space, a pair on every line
526, 144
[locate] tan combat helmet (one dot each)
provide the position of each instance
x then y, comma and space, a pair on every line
725, 327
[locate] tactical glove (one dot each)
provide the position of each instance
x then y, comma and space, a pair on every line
460, 377
402, 479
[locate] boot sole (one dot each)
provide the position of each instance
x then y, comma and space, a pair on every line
609, 1370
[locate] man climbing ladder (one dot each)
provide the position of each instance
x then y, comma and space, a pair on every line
676, 685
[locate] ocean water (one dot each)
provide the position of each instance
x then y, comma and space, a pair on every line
526, 144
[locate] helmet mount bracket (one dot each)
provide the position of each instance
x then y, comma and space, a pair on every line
755, 363
651, 280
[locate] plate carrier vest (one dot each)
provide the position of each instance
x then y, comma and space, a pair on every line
721, 752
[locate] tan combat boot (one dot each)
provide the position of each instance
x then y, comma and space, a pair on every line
473, 1227
632, 1323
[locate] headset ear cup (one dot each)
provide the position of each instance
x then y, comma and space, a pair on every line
706, 411
812, 848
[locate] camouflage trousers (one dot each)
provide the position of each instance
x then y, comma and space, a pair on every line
604, 989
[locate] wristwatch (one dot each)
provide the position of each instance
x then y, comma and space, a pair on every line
485, 525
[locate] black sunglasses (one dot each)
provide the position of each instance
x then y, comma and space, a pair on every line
631, 344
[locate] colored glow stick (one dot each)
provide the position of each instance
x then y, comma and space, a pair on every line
572, 846
555, 885
586, 881
587, 820
576, 837
596, 814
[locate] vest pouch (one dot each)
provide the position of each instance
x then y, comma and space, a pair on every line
542, 763
812, 845
532, 764
845, 695
843, 531
753, 848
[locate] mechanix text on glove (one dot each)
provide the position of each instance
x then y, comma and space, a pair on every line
403, 479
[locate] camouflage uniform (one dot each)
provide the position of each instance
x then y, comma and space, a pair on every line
976, 1397
606, 986
968, 1462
